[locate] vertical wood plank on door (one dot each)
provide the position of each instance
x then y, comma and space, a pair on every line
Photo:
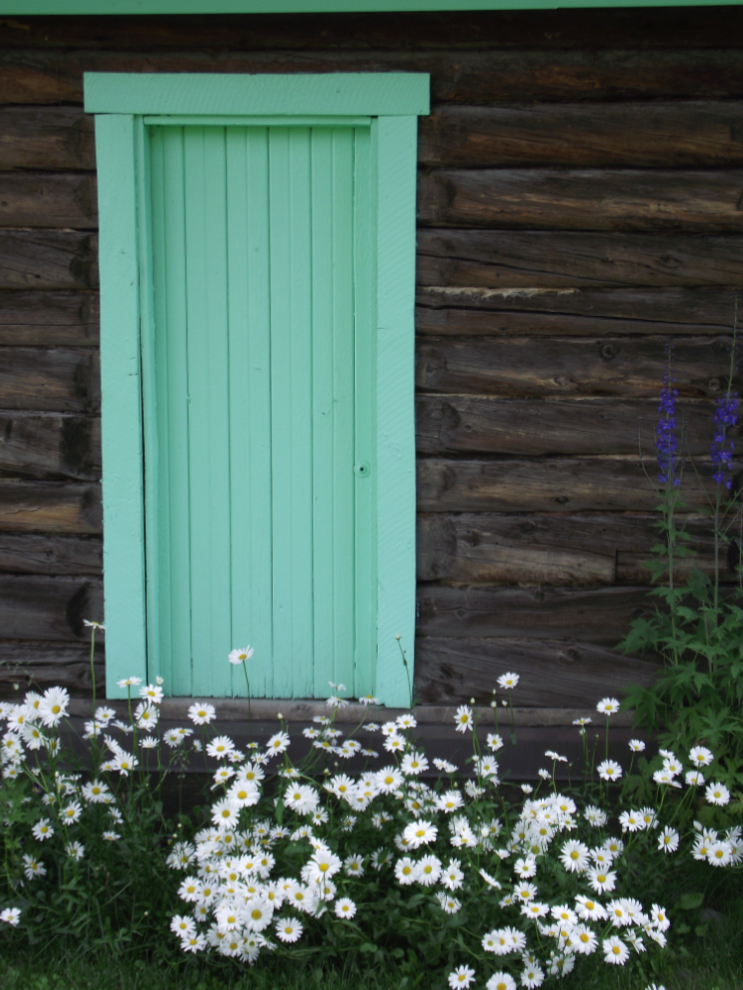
322, 408
291, 408
250, 403
333, 410
343, 480
365, 605
172, 651
208, 407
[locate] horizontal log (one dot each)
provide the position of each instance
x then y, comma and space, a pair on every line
50, 507
48, 608
695, 133
51, 554
298, 710
46, 138
688, 134
548, 549
551, 672
40, 665
573, 366
557, 484
442, 310
50, 445
34, 76
690, 27
33, 318
531, 428
583, 199
59, 378
590, 615
512, 259
48, 199
48, 259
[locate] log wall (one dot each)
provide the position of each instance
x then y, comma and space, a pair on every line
580, 209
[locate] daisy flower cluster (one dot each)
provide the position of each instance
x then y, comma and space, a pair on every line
52, 826
294, 850
297, 849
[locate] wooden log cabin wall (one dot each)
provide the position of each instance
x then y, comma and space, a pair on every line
580, 208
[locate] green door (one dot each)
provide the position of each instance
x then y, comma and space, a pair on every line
258, 392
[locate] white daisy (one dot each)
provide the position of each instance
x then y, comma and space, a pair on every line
609, 770
463, 718
501, 981
53, 706
615, 951
241, 655
345, 908
462, 976
607, 706
717, 794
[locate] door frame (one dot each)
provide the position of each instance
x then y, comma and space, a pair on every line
121, 102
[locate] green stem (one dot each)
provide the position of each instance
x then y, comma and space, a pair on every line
407, 670
250, 713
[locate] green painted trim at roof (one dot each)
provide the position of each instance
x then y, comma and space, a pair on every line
31, 7
345, 93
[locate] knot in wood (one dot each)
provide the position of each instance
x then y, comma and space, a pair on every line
608, 352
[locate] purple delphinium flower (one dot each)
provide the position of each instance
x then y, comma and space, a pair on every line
666, 440
726, 416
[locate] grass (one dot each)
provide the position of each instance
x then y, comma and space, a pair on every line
711, 962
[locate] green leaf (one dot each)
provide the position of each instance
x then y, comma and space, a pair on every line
689, 902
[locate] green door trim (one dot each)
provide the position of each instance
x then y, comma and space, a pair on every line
333, 94
121, 151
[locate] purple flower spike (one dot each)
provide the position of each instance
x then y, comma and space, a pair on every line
726, 416
666, 440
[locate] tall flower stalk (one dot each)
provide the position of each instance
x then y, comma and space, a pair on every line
241, 656
669, 474
721, 454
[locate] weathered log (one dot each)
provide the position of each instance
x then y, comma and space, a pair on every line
31, 75
511, 259
48, 199
689, 134
525, 428
556, 484
574, 366
582, 199
648, 28
53, 608
48, 259
41, 665
46, 138
49, 445
50, 507
667, 135
548, 549
590, 615
551, 672
32, 318
51, 554
59, 378
576, 312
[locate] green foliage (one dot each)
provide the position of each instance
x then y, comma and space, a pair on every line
697, 629
696, 626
